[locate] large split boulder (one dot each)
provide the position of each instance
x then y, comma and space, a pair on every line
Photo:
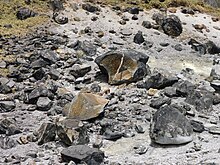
123, 66
170, 126
85, 106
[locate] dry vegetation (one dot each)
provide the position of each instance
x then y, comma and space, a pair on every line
195, 4
8, 16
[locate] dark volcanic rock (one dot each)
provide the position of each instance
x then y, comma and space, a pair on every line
203, 48
169, 126
183, 88
158, 81
109, 135
123, 66
202, 100
138, 38
40, 91
87, 47
90, 7
146, 24
172, 26
133, 10
157, 103
7, 106
56, 5
24, 13
197, 126
79, 70
44, 103
46, 133
83, 153
71, 131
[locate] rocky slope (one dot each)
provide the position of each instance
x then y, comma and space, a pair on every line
106, 85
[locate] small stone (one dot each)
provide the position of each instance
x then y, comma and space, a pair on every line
83, 153
90, 7
7, 106
134, 10
140, 150
138, 38
214, 130
197, 126
146, 24
109, 135
101, 34
139, 129
6, 142
80, 70
134, 17
23, 140
157, 103
44, 103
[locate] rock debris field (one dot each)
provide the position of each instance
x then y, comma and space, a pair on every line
106, 85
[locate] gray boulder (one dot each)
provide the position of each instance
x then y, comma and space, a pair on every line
170, 126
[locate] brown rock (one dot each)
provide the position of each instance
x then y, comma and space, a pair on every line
172, 10
85, 106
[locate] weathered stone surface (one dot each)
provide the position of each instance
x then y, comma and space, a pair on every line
202, 100
85, 106
157, 103
9, 127
197, 126
44, 103
158, 81
40, 91
169, 126
6, 106
172, 26
6, 142
80, 70
71, 131
203, 48
215, 72
83, 153
46, 133
123, 66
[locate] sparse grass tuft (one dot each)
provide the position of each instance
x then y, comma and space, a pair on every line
19, 27
195, 4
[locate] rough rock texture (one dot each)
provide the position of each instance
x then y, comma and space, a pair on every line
123, 66
169, 126
85, 106
83, 153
